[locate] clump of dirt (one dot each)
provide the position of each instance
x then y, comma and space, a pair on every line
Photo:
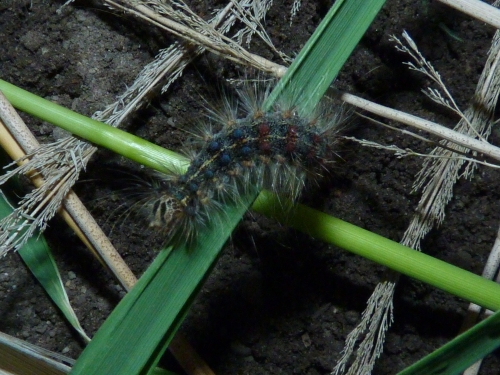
277, 302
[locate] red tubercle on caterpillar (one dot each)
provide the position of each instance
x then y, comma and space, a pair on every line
265, 146
264, 129
291, 138
290, 146
316, 138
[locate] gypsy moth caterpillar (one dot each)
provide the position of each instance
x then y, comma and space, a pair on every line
278, 149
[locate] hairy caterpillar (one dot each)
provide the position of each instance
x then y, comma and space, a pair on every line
277, 150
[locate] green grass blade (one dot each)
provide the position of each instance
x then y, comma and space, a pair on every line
98, 133
442, 275
324, 54
37, 256
461, 352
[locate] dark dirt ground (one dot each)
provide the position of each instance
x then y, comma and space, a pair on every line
278, 302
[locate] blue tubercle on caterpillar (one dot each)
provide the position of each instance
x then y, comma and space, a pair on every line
276, 150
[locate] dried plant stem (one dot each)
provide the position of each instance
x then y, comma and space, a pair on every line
437, 178
262, 64
18, 141
407, 152
170, 61
187, 357
421, 124
222, 48
21, 357
473, 311
477, 9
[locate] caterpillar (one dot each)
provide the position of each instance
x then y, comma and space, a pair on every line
278, 150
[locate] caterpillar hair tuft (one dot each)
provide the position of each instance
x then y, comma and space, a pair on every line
279, 149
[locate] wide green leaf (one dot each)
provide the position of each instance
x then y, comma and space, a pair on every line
141, 326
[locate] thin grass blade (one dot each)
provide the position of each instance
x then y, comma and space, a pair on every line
324, 54
460, 353
433, 271
101, 134
38, 258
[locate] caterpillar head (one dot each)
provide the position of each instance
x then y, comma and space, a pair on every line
165, 213
176, 218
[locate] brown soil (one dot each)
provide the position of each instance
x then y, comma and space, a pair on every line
278, 302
